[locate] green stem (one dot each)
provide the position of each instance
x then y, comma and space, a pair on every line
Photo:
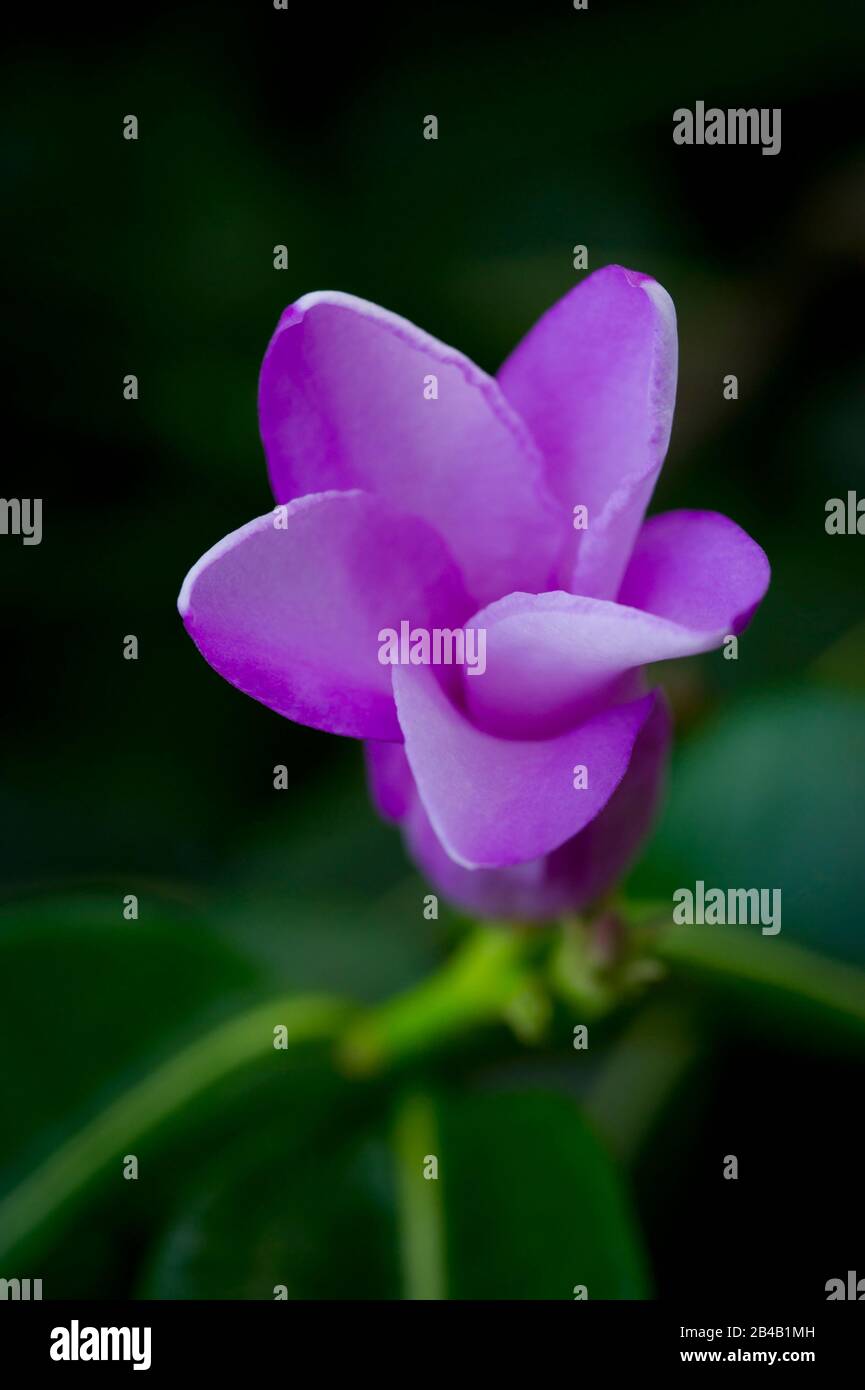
71, 1169
490, 977
421, 1214
740, 956
477, 985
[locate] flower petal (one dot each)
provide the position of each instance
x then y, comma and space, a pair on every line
696, 568
595, 380
342, 404
291, 614
496, 801
553, 660
576, 873
391, 784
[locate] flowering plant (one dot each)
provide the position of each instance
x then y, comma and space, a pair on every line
417, 495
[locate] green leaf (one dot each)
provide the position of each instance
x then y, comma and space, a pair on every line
526, 1205
533, 1203
86, 998
158, 1098
770, 796
317, 1219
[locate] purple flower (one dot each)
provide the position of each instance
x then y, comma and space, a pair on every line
415, 490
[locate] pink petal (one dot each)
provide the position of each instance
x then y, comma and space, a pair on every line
391, 784
576, 873
553, 660
497, 801
595, 380
342, 405
291, 616
696, 568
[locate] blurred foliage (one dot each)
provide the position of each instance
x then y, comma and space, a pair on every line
533, 1203
155, 778
785, 770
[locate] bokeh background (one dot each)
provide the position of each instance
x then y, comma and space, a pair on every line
154, 777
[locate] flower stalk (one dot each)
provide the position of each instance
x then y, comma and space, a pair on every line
484, 980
